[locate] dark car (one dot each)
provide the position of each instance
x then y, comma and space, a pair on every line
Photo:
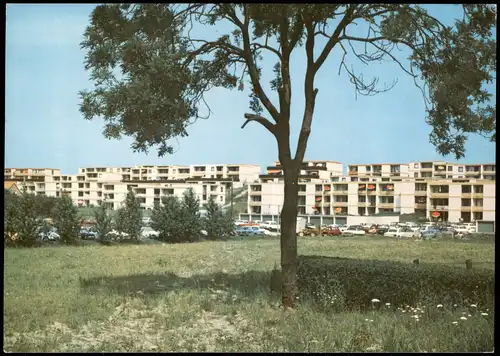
87, 234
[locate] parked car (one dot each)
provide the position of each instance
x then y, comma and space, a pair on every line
354, 230
392, 232
310, 231
245, 231
331, 231
343, 228
87, 234
270, 224
430, 233
113, 234
148, 233
408, 233
49, 236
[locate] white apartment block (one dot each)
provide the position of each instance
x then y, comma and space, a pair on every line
454, 200
236, 172
378, 170
450, 170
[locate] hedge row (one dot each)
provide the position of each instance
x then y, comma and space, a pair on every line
353, 283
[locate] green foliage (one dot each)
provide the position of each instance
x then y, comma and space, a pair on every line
166, 219
66, 220
45, 205
129, 217
353, 283
22, 219
217, 223
190, 216
150, 71
103, 222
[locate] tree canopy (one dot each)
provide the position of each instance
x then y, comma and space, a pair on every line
151, 73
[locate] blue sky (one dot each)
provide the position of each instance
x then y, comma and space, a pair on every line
44, 72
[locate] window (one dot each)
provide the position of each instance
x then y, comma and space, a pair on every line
450, 168
460, 169
222, 189
415, 165
221, 198
415, 175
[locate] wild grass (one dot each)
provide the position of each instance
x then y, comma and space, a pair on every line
214, 296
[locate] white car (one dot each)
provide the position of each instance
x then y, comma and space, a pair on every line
343, 228
148, 232
354, 231
114, 233
393, 232
270, 224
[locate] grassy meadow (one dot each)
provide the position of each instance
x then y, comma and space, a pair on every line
215, 296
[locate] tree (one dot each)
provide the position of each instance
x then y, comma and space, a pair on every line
190, 218
217, 223
130, 216
103, 222
11, 216
151, 72
45, 205
66, 220
166, 219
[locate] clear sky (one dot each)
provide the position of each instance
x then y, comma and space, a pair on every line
44, 128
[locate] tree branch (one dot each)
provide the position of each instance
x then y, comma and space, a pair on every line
261, 120
334, 38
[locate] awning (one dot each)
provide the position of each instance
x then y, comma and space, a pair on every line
273, 171
318, 199
362, 186
327, 187
338, 210
371, 186
390, 187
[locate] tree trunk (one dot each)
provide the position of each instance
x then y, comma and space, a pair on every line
289, 237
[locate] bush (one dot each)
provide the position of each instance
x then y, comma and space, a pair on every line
165, 219
217, 223
353, 283
177, 221
103, 222
129, 217
66, 220
22, 219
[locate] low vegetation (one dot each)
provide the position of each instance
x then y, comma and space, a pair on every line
215, 296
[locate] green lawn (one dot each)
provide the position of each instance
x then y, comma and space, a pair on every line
214, 296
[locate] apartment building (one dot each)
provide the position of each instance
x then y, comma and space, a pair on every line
34, 174
236, 172
309, 171
450, 170
447, 200
378, 170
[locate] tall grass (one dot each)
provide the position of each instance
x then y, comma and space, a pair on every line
214, 296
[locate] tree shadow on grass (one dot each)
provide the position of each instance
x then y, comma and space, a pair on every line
247, 284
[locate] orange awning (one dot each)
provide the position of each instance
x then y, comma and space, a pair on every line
273, 171
327, 187
318, 199
362, 186
371, 186
390, 187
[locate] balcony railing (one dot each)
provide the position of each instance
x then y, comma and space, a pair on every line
339, 192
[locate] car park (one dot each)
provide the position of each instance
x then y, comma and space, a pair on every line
149, 233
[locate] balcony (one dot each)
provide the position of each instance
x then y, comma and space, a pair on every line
386, 192
255, 203
439, 195
477, 208
353, 173
386, 205
257, 192
339, 204
471, 173
466, 195
362, 204
302, 192
420, 206
477, 195
466, 208
421, 193
439, 207
318, 192
339, 192
426, 169
371, 192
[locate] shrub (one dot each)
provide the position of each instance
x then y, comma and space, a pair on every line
66, 220
217, 223
22, 219
190, 218
129, 217
103, 222
357, 282
165, 218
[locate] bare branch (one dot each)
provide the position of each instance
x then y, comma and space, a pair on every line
261, 120
335, 37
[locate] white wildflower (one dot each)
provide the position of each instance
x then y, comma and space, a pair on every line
387, 304
439, 305
463, 318
470, 315
484, 314
375, 300
454, 322
473, 306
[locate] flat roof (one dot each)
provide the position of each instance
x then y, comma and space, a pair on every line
378, 164
55, 169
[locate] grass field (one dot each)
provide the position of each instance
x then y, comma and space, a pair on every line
214, 296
